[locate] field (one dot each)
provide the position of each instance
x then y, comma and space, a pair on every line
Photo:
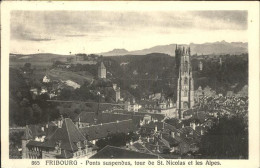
36, 64
68, 75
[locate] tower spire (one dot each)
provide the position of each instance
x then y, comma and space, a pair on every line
185, 88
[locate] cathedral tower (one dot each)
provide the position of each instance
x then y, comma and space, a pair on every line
185, 88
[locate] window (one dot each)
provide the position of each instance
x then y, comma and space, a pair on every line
185, 80
85, 142
186, 66
78, 145
185, 93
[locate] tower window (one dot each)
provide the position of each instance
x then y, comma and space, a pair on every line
185, 93
186, 66
185, 80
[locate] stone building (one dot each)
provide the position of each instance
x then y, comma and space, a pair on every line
102, 72
185, 88
131, 105
117, 91
200, 66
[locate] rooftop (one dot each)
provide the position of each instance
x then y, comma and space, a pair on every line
111, 152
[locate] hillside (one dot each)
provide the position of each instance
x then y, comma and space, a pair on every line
38, 57
216, 48
145, 74
136, 75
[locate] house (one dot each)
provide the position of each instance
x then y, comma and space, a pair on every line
131, 105
34, 91
117, 93
157, 103
63, 140
43, 90
45, 79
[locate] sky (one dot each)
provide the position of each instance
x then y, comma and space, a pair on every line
65, 32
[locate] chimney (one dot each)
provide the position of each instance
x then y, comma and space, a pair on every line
201, 132
42, 128
163, 126
60, 123
79, 123
148, 139
155, 129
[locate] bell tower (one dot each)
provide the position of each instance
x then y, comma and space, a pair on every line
185, 88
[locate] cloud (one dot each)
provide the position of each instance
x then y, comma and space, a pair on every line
75, 35
40, 39
96, 31
234, 17
70, 23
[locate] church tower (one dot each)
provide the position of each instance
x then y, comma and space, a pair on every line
102, 72
200, 66
185, 88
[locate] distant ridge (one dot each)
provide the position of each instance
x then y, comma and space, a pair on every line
221, 47
215, 48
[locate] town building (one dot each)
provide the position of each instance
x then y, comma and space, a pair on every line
45, 79
61, 140
185, 88
117, 91
157, 103
131, 105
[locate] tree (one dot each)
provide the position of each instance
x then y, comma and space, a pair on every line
27, 66
226, 139
37, 111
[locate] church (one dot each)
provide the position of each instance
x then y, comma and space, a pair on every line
185, 86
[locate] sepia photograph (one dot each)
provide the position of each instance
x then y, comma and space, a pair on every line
128, 84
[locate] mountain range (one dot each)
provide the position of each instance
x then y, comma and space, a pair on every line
214, 48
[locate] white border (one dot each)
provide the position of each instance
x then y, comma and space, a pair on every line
253, 41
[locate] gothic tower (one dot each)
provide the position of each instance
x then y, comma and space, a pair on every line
102, 73
185, 88
200, 66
